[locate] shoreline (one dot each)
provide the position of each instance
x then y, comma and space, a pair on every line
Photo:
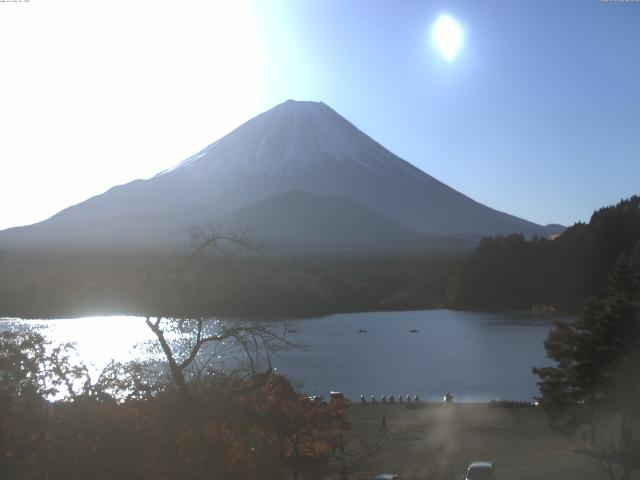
101, 314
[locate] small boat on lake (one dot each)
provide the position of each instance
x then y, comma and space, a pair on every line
413, 330
362, 330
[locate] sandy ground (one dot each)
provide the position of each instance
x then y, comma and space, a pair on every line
439, 442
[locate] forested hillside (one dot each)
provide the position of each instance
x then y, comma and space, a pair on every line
514, 273
63, 285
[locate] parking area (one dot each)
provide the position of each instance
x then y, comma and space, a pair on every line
439, 442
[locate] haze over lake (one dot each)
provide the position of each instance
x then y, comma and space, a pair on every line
475, 356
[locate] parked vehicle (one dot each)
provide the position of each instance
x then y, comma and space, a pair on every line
480, 471
337, 397
386, 476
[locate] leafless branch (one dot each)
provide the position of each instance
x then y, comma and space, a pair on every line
352, 461
204, 236
256, 339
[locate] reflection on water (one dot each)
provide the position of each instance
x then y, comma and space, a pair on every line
476, 356
98, 340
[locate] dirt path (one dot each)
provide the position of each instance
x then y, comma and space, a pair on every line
439, 442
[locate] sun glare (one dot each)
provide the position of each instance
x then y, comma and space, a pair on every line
447, 37
144, 71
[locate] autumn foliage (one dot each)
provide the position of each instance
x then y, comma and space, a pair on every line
229, 426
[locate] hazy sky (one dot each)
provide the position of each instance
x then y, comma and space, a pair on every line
538, 115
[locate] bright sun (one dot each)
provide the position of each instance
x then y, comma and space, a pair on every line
447, 36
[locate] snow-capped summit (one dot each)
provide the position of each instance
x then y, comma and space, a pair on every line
292, 135
341, 177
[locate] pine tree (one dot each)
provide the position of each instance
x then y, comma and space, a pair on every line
597, 372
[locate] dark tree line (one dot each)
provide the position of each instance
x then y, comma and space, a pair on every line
512, 272
64, 285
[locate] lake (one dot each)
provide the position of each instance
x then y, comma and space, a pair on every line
475, 356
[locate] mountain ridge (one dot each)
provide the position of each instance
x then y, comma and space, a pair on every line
295, 146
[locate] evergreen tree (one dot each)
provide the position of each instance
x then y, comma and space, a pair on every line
597, 374
512, 272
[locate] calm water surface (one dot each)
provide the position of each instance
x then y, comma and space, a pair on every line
475, 356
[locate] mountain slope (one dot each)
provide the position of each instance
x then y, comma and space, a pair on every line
296, 146
297, 221
309, 147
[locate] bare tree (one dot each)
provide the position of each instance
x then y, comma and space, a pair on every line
257, 341
354, 453
209, 236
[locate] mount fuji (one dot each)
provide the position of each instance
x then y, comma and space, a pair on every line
299, 176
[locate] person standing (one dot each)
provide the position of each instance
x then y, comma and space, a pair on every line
383, 425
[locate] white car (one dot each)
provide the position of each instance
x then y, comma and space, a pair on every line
480, 471
386, 476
